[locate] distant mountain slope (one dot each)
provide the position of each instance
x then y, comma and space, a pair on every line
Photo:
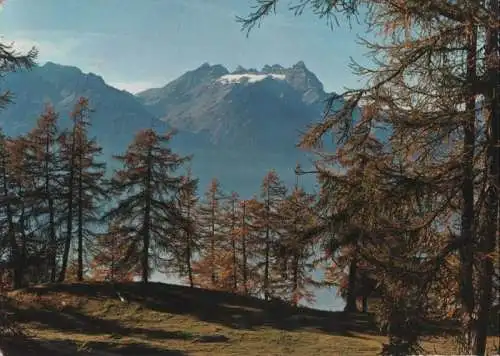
252, 108
117, 114
238, 125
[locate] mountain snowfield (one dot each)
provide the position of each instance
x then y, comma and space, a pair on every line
248, 77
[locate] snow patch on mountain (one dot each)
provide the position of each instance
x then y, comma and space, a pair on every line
248, 77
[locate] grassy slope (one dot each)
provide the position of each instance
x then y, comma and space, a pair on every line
161, 319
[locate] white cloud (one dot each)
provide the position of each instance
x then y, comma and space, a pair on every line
56, 46
48, 50
61, 47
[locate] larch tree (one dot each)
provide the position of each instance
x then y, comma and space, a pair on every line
187, 242
91, 191
43, 142
115, 258
8, 214
212, 226
273, 192
145, 190
295, 249
242, 234
10, 61
22, 185
252, 226
434, 87
84, 183
68, 155
232, 237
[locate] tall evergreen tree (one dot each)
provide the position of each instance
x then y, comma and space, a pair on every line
115, 259
295, 250
187, 242
253, 227
273, 192
145, 189
83, 182
233, 238
43, 142
22, 185
8, 212
212, 232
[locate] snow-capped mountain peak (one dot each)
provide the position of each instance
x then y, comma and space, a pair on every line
248, 77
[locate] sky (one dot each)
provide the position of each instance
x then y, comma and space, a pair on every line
135, 45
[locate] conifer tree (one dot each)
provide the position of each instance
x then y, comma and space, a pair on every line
212, 232
22, 182
187, 244
233, 237
46, 163
90, 191
145, 190
68, 154
242, 233
295, 250
227, 258
273, 192
10, 61
432, 78
116, 258
252, 231
83, 181
8, 210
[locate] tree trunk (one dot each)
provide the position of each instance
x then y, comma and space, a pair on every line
80, 215
487, 242
113, 257
53, 243
21, 251
188, 260
467, 223
188, 247
244, 250
295, 273
147, 223
52, 255
212, 245
233, 246
351, 288
69, 221
11, 233
267, 247
365, 304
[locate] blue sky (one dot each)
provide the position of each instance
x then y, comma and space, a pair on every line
141, 44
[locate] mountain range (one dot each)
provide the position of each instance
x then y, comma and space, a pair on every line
238, 125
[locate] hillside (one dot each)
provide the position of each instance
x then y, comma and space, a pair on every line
160, 319
116, 116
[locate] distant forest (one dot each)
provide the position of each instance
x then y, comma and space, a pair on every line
65, 221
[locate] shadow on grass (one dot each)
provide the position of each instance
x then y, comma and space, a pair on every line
30, 347
104, 348
72, 320
230, 310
